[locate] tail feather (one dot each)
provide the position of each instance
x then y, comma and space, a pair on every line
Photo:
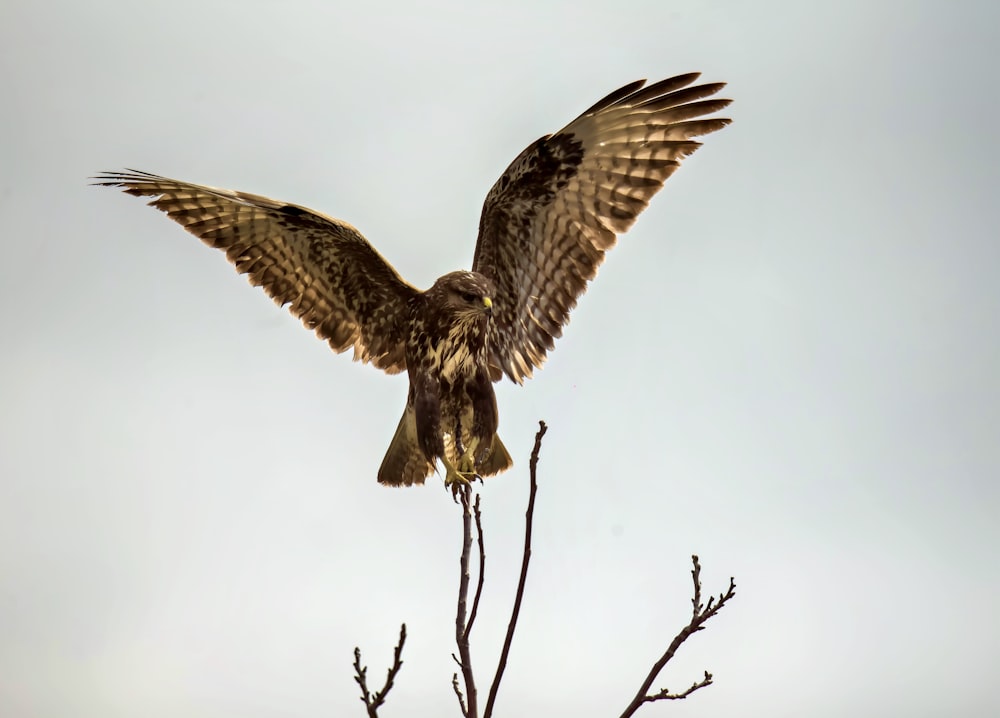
497, 460
404, 463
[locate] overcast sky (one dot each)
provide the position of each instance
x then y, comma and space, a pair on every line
789, 366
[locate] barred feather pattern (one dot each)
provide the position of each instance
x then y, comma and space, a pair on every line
322, 268
552, 215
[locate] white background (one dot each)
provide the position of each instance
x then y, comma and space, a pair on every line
789, 367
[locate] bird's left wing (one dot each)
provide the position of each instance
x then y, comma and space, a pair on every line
324, 269
559, 207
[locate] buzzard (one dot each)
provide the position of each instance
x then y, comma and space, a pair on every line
545, 227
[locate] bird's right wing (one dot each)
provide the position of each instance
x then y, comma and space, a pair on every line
324, 269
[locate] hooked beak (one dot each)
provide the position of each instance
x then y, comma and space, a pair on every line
488, 303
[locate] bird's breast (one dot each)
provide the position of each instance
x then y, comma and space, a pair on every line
456, 358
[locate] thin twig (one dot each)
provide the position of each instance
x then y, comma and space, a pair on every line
666, 695
482, 568
528, 518
373, 702
458, 693
700, 614
471, 709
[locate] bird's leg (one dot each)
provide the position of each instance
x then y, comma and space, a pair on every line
467, 461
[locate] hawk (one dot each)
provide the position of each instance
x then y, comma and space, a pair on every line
545, 227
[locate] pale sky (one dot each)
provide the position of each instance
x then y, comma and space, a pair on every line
791, 365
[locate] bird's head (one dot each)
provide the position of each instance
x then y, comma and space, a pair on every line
464, 294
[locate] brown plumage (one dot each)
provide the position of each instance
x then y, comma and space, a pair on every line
545, 227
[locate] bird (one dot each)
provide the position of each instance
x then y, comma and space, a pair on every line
545, 227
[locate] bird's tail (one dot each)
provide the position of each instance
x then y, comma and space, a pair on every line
496, 460
404, 463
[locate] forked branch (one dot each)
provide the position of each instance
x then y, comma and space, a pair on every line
468, 700
699, 615
465, 688
373, 702
529, 517
469, 706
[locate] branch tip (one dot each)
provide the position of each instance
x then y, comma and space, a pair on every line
700, 614
373, 702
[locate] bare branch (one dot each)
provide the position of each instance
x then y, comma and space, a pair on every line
458, 692
482, 568
471, 708
528, 519
666, 695
699, 615
360, 677
373, 702
696, 606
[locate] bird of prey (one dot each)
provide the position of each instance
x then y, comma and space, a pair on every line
545, 227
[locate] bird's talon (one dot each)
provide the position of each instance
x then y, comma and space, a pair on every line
458, 478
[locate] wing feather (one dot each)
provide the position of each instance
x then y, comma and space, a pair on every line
552, 215
322, 268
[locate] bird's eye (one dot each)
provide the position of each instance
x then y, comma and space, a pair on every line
466, 296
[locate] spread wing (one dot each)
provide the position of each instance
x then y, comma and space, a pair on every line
329, 275
559, 207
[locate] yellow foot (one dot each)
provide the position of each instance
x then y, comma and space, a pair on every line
458, 478
467, 464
